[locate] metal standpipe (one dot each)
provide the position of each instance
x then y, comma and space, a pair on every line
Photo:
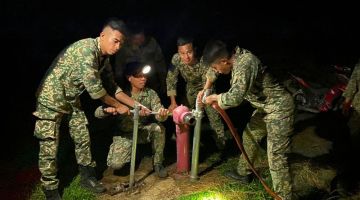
134, 144
196, 143
198, 113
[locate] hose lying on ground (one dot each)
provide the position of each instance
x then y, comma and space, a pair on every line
241, 147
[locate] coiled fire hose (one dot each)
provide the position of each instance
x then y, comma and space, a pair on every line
241, 147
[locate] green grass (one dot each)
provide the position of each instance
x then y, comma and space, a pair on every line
73, 191
230, 164
37, 193
213, 195
233, 190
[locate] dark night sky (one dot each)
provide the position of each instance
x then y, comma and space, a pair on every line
287, 34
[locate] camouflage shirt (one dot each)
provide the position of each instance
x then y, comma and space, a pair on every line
194, 76
149, 99
352, 91
250, 81
76, 69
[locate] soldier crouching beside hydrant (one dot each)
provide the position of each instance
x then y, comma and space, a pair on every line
149, 130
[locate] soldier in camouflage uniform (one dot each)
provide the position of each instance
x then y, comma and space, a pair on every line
149, 130
273, 116
194, 73
352, 97
76, 69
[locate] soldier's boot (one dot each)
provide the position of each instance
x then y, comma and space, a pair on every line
52, 194
160, 171
88, 179
220, 143
242, 179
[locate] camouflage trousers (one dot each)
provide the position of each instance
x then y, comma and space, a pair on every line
354, 128
354, 123
47, 131
278, 134
120, 149
213, 116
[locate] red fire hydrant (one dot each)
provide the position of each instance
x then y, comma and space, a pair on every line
182, 118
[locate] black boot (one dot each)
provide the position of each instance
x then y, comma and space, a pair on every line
160, 171
242, 179
220, 144
88, 179
52, 194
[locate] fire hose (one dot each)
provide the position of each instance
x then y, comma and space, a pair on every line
241, 147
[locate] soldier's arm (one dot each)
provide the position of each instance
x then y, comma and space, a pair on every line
120, 108
108, 78
351, 89
209, 77
157, 106
102, 112
241, 81
352, 86
124, 98
208, 84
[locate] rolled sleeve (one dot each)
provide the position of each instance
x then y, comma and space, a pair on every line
93, 84
118, 90
171, 93
220, 102
99, 94
100, 113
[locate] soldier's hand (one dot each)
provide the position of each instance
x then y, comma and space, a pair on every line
200, 95
162, 112
110, 110
122, 109
144, 111
210, 99
172, 107
199, 98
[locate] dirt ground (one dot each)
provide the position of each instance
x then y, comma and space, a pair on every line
323, 156
153, 188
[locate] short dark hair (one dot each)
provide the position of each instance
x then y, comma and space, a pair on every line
117, 24
133, 68
182, 40
214, 50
